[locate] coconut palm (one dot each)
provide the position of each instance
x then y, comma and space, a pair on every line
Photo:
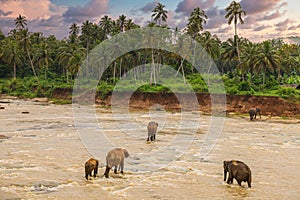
267, 59
11, 54
20, 22
73, 33
121, 22
106, 26
24, 39
159, 14
248, 57
234, 14
195, 22
42, 57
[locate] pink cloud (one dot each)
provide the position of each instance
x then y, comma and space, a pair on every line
32, 9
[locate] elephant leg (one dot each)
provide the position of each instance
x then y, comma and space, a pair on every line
115, 170
87, 176
107, 172
239, 182
154, 137
148, 139
230, 179
95, 172
122, 166
249, 184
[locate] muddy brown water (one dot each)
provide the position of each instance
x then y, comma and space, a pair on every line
43, 157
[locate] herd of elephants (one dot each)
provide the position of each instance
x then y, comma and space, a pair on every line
236, 169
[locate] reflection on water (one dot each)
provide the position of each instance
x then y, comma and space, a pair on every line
43, 156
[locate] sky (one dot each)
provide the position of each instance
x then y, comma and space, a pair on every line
265, 19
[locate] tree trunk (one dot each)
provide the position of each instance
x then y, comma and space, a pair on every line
15, 71
114, 73
32, 67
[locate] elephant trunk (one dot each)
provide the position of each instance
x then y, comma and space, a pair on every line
225, 174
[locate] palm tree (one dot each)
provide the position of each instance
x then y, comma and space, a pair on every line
234, 13
159, 13
229, 54
68, 52
130, 25
121, 22
106, 25
248, 57
195, 24
10, 53
42, 57
267, 59
25, 42
20, 22
74, 31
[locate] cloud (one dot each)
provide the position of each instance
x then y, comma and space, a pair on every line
283, 25
259, 6
215, 18
272, 16
187, 6
32, 9
261, 27
225, 30
2, 13
148, 7
93, 8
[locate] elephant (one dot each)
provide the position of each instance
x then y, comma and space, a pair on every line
253, 112
114, 159
90, 165
238, 170
152, 128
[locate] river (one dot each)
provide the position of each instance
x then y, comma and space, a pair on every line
44, 155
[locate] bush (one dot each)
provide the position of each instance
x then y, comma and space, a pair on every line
244, 86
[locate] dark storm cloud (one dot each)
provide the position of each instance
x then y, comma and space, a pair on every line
93, 8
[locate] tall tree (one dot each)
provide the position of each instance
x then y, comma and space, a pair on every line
234, 14
106, 26
11, 54
195, 22
267, 59
121, 22
43, 58
159, 14
20, 22
73, 33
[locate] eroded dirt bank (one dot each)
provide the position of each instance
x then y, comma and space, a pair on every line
240, 104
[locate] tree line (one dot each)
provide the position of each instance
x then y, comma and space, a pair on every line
24, 53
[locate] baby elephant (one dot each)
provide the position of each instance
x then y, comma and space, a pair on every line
114, 159
238, 170
90, 165
253, 112
152, 128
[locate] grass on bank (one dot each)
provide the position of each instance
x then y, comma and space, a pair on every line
29, 88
